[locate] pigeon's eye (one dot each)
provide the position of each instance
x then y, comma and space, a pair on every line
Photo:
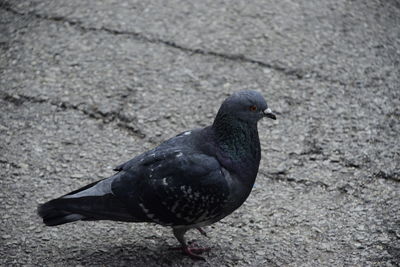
253, 108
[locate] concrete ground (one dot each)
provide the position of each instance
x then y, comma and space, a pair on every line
86, 85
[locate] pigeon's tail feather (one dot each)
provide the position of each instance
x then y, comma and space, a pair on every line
90, 203
91, 208
53, 216
53, 212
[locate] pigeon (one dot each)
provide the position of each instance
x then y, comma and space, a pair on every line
187, 182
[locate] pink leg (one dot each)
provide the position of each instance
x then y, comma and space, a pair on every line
191, 250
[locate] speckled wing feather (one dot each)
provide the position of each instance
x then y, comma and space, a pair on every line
174, 187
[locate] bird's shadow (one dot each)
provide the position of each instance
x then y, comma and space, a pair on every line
128, 255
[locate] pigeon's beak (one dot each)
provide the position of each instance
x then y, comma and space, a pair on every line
268, 113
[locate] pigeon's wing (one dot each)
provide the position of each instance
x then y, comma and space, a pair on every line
174, 187
183, 139
132, 162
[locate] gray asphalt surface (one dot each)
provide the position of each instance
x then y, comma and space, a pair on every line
86, 85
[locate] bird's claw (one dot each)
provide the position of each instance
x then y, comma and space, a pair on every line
194, 252
202, 231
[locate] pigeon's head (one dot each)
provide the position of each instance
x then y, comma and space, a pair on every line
248, 106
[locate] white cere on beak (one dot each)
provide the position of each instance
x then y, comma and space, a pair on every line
267, 111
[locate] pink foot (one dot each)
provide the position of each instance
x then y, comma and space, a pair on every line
192, 251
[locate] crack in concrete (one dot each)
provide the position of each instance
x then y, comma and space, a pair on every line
291, 72
12, 164
20, 99
281, 176
93, 113
392, 176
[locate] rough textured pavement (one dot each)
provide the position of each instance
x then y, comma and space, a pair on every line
86, 85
